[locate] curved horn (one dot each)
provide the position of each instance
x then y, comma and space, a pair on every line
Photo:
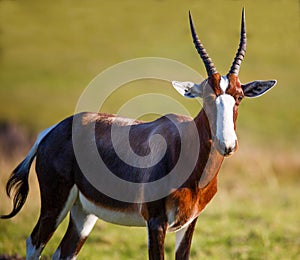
235, 67
209, 65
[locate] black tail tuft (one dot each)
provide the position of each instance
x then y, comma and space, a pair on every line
18, 181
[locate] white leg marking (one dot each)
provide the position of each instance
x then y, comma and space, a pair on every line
179, 236
83, 221
32, 253
87, 226
73, 195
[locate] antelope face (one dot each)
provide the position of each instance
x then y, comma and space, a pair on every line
221, 98
222, 94
220, 103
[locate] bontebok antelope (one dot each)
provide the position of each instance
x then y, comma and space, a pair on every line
65, 187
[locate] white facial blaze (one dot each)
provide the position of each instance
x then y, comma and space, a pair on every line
225, 126
224, 82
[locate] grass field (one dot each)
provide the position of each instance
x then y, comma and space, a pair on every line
50, 51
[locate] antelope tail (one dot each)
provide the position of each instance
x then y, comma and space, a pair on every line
18, 180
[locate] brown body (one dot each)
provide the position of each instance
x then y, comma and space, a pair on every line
58, 173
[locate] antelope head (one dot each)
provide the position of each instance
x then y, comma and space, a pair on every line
222, 94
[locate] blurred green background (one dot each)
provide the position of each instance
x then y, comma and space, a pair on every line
51, 50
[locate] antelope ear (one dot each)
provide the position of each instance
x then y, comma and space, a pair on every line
258, 87
187, 89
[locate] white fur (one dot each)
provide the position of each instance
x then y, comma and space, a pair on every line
83, 220
87, 226
188, 89
225, 126
224, 83
32, 152
172, 227
44, 133
179, 236
112, 216
182, 87
70, 201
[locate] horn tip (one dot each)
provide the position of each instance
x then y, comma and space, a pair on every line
190, 15
243, 13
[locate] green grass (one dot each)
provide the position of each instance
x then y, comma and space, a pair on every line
50, 51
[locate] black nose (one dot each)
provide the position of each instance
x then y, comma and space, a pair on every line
228, 150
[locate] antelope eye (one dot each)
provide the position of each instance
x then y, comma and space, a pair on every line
240, 98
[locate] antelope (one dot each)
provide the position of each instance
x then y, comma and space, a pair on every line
65, 188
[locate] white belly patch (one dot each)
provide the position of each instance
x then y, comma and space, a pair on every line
112, 216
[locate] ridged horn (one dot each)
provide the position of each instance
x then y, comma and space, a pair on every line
235, 67
209, 65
